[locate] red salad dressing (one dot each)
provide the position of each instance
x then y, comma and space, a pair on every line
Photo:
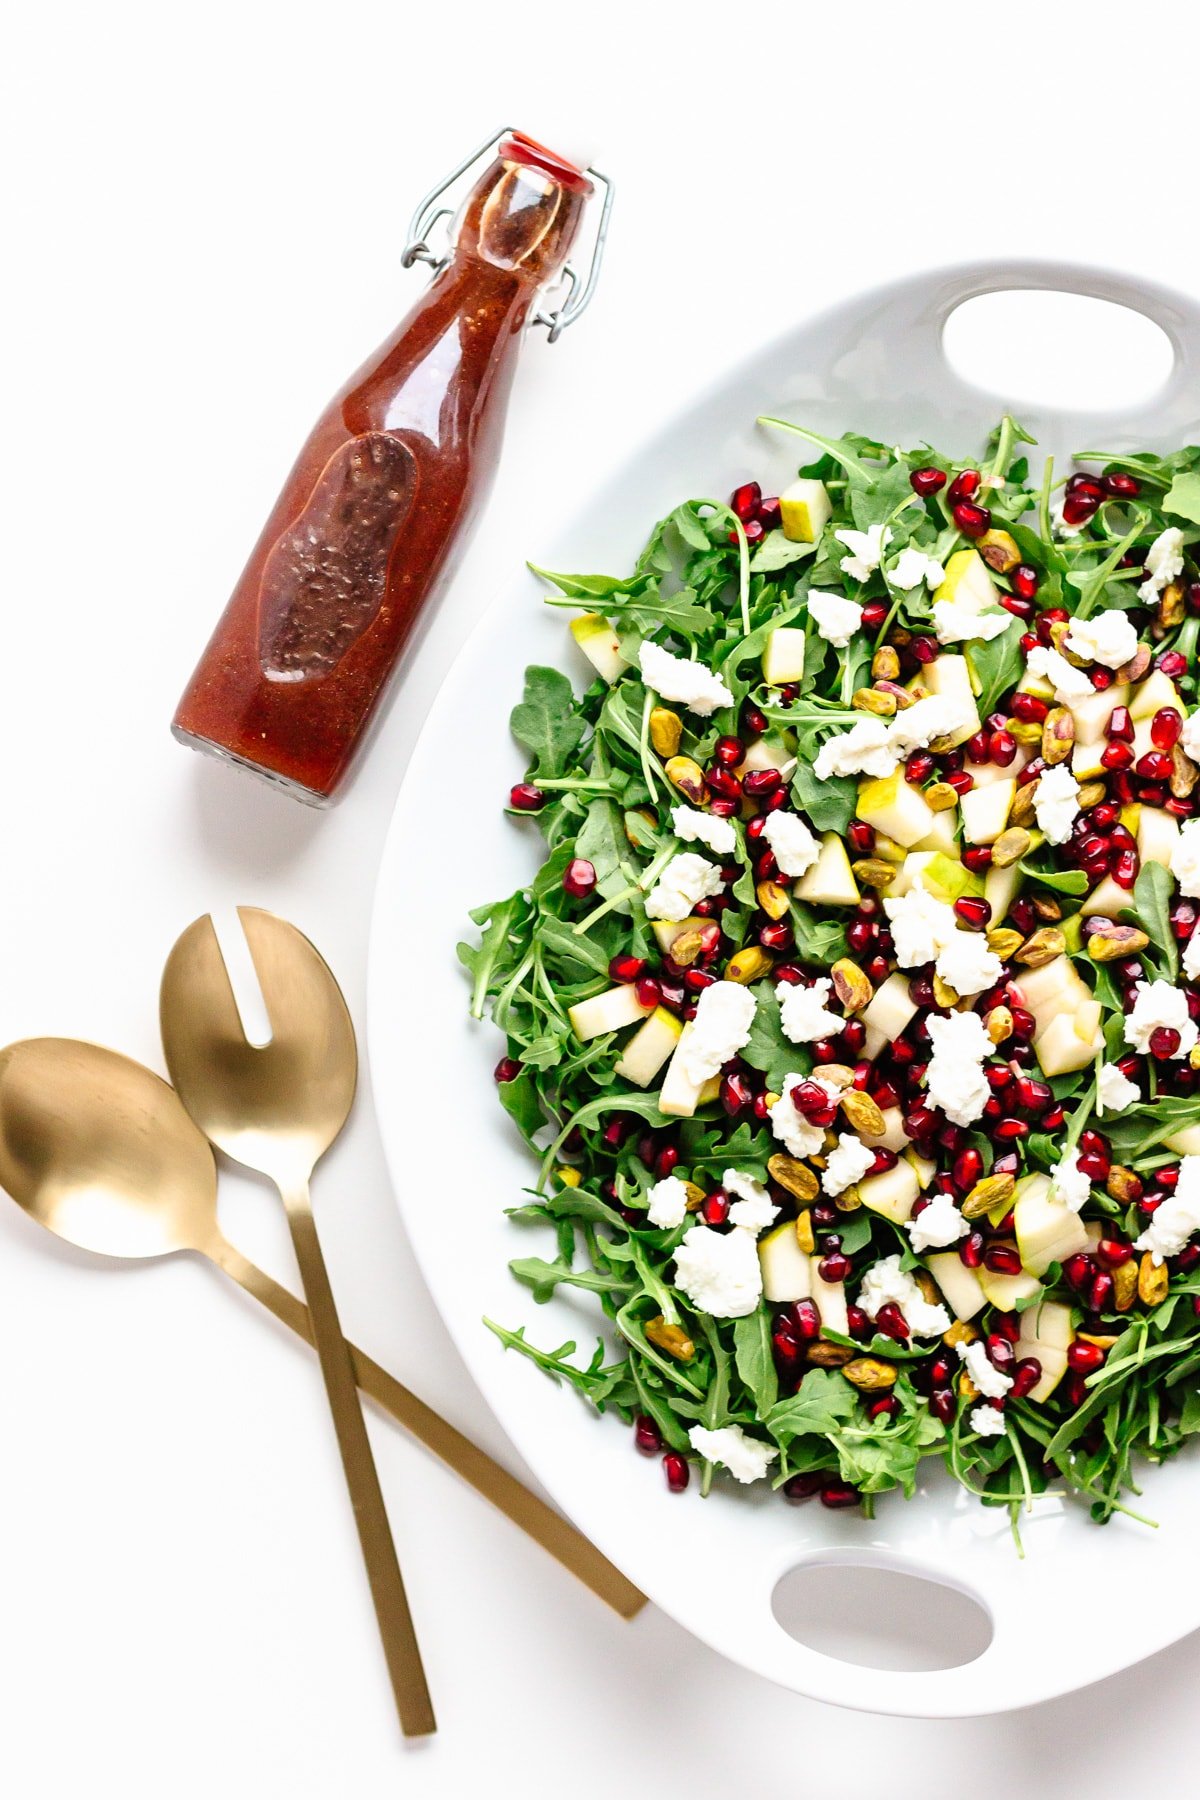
361, 535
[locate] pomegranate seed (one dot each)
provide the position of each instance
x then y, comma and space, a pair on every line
648, 991
1095, 1164
813, 1103
859, 933
970, 1250
892, 1323
973, 911
736, 1095
805, 1318
861, 837
977, 747
965, 486
723, 781
972, 520
967, 1169
626, 968
744, 502
838, 1494
770, 512
1025, 1377
960, 781
714, 1208
675, 1468
1154, 766
1077, 1270
754, 722
1193, 597
526, 798
728, 751
1165, 728
1032, 1096
1000, 1352
777, 936
824, 1051
918, 767
943, 1405
1102, 1290
1002, 1259
646, 1435
1022, 914
1002, 748
1122, 486
1078, 507
1009, 1130
925, 649
1172, 663
873, 615
927, 481
1084, 1358
579, 878
1028, 708
886, 1407
1028, 641
1183, 917
1025, 581
507, 1069
1179, 809
802, 1487
1125, 869
761, 781
834, 1267
1164, 1042
977, 858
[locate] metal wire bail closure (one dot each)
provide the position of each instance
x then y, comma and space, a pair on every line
573, 292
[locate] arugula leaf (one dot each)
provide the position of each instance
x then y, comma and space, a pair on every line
779, 552
1063, 881
997, 666
546, 723
1152, 894
1183, 497
603, 843
767, 1048
582, 587
754, 1360
829, 804
824, 1401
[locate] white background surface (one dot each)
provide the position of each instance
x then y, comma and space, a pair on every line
203, 220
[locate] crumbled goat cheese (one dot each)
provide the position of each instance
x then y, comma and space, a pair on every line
793, 845
1164, 561
937, 1225
1177, 1218
936, 716
1158, 1003
835, 618
686, 879
1185, 859
913, 566
804, 1012
1109, 638
985, 1421
887, 1284
753, 1209
789, 1124
987, 1378
1114, 1091
954, 624
954, 1079
1068, 682
744, 1456
724, 1015
675, 678
1191, 957
1068, 1182
863, 750
846, 1165
921, 926
694, 827
718, 1271
1189, 737
1056, 802
668, 1203
967, 965
866, 550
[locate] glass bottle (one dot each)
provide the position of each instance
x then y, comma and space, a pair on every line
363, 532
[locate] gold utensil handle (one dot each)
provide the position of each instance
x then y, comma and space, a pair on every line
396, 1628
539, 1521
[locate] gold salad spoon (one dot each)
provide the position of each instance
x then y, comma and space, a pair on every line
100, 1151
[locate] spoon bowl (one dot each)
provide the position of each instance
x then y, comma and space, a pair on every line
100, 1151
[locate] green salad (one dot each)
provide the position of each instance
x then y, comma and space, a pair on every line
852, 1013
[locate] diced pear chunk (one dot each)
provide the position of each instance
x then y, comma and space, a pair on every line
892, 1137
1061, 1050
951, 677
890, 1010
941, 875
649, 1047
1004, 1291
667, 930
783, 658
893, 805
968, 582
942, 835
680, 1095
1185, 1141
1046, 1229
959, 1285
985, 811
600, 644
786, 1270
1157, 835
616, 1007
830, 881
805, 509
1000, 889
1106, 898
1092, 713
769, 752
892, 1193
1151, 695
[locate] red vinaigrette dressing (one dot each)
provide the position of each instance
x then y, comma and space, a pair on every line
360, 538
